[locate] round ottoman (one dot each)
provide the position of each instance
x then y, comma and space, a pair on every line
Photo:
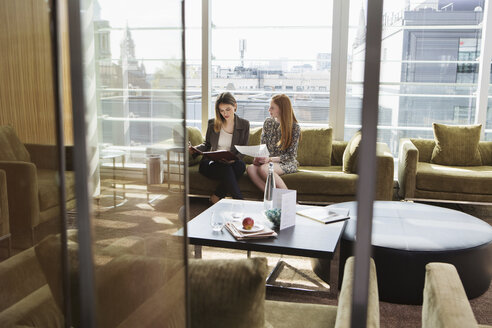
407, 236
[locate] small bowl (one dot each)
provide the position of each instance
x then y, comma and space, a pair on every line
273, 216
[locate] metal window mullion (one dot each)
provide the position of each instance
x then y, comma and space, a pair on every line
484, 68
366, 185
86, 267
338, 70
206, 61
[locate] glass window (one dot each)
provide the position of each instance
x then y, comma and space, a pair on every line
429, 67
261, 52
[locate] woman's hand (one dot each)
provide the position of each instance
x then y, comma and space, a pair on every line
261, 160
227, 162
191, 149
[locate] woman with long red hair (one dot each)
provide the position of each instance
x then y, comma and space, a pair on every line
281, 134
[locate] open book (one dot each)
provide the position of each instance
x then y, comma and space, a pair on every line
327, 214
217, 155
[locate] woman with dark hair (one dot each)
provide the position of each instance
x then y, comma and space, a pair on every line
281, 134
224, 132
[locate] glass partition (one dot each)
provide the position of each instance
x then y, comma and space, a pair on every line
429, 67
32, 179
134, 96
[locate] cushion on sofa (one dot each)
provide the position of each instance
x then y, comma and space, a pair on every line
324, 180
254, 139
455, 179
195, 137
315, 146
289, 314
425, 148
11, 148
237, 288
456, 145
49, 189
351, 154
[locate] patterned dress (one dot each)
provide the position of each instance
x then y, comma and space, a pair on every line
270, 136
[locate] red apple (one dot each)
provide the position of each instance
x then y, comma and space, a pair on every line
248, 223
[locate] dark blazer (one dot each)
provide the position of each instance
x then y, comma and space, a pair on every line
240, 136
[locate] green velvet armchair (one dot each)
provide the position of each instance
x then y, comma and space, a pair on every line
33, 189
445, 302
4, 213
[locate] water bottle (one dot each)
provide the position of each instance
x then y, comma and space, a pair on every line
269, 185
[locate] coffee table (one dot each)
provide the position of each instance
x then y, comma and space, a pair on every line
308, 238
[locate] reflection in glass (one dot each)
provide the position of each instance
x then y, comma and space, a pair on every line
30, 206
139, 114
429, 67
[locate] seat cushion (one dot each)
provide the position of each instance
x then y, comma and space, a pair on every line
351, 154
322, 180
456, 145
11, 148
48, 188
456, 179
290, 315
315, 146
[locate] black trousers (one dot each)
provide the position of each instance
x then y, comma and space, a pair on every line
227, 174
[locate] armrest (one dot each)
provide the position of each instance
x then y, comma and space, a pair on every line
22, 191
407, 168
345, 298
445, 302
46, 156
4, 205
385, 172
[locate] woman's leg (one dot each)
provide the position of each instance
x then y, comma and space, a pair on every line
226, 174
212, 170
277, 172
229, 179
256, 178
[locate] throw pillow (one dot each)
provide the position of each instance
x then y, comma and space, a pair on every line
315, 147
11, 148
234, 291
254, 139
196, 138
351, 154
456, 145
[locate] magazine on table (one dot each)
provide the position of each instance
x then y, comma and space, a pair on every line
326, 214
217, 155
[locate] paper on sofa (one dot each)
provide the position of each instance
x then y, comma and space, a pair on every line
254, 151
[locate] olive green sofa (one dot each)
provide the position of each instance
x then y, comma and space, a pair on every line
445, 302
32, 187
320, 177
135, 289
418, 178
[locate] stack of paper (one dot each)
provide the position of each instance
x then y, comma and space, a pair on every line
233, 229
326, 214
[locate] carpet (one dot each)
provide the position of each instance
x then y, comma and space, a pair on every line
139, 218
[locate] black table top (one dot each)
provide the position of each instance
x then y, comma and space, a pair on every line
307, 238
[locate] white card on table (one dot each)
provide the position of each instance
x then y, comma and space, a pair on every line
285, 199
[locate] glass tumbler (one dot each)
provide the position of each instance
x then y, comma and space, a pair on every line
217, 221
237, 210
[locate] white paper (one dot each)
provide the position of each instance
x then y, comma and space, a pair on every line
285, 199
325, 214
254, 151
